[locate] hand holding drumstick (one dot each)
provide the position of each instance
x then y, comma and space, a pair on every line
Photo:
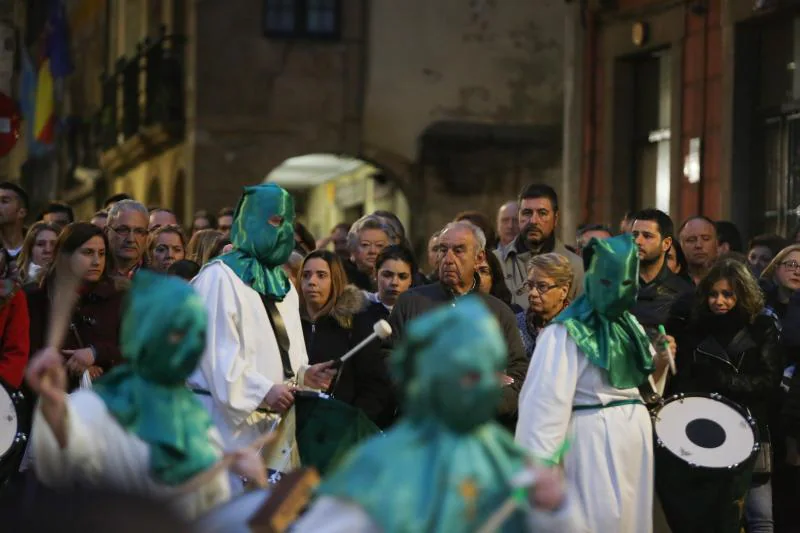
46, 374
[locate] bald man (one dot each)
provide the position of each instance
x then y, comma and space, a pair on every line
507, 224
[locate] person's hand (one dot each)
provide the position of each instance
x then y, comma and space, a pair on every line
247, 463
95, 372
79, 360
46, 375
664, 346
319, 376
549, 492
279, 398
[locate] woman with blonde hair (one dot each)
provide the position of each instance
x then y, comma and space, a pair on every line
204, 246
37, 251
550, 278
165, 245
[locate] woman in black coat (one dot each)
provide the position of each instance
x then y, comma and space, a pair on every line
731, 347
332, 325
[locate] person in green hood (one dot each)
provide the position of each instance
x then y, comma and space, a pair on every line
446, 466
139, 429
584, 380
256, 354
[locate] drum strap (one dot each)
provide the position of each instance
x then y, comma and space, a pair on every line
281, 335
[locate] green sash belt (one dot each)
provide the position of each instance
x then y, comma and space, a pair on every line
615, 403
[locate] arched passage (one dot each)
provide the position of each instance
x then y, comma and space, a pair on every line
331, 189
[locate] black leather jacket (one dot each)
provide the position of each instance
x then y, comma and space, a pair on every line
746, 371
656, 301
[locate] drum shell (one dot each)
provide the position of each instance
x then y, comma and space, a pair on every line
698, 499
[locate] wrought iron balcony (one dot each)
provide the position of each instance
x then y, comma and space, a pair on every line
143, 101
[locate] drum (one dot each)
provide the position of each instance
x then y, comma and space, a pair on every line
705, 446
15, 423
328, 429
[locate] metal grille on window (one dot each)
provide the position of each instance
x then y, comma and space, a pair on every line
281, 16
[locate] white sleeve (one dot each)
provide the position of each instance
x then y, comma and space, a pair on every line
81, 459
232, 379
546, 399
332, 515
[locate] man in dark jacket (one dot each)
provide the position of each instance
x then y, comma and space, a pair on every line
461, 248
664, 298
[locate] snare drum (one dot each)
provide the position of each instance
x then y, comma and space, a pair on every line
14, 428
705, 448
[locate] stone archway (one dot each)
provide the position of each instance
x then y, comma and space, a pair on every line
154, 194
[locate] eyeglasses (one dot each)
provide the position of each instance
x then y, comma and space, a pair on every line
124, 231
791, 265
541, 288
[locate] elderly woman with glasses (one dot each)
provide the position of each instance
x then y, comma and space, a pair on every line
550, 277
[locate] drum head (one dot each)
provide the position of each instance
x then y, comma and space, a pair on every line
233, 517
705, 432
8, 422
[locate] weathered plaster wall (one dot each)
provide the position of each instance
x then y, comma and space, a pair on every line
484, 61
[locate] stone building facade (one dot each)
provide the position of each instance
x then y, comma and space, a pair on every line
691, 106
457, 103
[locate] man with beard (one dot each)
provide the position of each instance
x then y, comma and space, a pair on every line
538, 217
461, 248
659, 288
250, 371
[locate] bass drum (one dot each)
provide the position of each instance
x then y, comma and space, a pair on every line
15, 426
705, 448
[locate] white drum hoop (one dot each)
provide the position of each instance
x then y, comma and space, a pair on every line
9, 422
706, 431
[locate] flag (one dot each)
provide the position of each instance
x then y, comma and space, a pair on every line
57, 42
44, 118
28, 93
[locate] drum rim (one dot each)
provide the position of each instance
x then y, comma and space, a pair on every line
744, 411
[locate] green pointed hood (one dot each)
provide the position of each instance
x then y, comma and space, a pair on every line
599, 321
163, 337
259, 248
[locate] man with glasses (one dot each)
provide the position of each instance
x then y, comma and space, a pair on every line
461, 248
127, 236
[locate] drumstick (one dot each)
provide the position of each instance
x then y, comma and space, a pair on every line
381, 330
224, 463
65, 296
520, 482
672, 367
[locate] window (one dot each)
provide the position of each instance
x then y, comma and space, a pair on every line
318, 19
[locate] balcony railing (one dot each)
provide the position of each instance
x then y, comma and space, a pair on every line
145, 93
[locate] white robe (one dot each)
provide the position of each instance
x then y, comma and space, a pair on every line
242, 360
610, 461
102, 453
333, 515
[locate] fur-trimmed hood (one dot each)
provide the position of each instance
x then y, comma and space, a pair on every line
350, 303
